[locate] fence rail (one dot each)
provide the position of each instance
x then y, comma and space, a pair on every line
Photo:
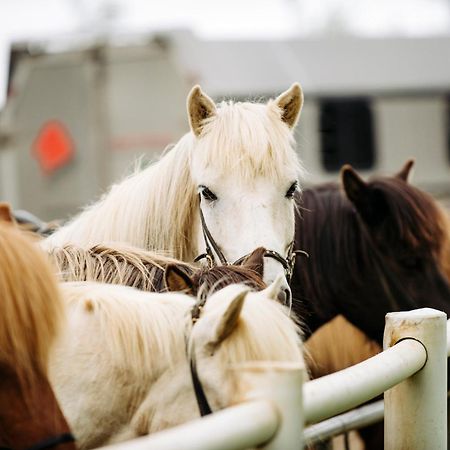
417, 344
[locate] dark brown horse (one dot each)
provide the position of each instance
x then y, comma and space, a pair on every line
30, 316
373, 247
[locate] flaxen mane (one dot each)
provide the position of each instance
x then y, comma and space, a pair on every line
30, 306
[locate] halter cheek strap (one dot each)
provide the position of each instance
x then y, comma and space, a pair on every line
210, 245
200, 395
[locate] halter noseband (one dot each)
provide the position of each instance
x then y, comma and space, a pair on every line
210, 245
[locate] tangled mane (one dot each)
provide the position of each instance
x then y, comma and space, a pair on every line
144, 270
31, 308
415, 217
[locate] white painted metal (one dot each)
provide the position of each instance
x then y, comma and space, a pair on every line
352, 420
448, 337
277, 420
281, 383
271, 409
343, 390
236, 428
416, 409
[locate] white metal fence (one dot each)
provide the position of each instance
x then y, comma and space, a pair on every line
412, 372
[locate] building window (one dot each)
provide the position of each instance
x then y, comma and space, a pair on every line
347, 135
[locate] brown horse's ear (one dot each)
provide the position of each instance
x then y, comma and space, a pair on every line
370, 203
355, 187
255, 261
177, 280
405, 173
290, 104
6, 214
200, 107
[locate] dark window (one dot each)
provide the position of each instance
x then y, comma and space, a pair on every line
347, 137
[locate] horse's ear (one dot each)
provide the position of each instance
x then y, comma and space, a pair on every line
200, 107
370, 204
271, 292
255, 261
406, 172
290, 104
177, 280
355, 187
226, 321
6, 214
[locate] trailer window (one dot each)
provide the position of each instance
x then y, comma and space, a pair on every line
347, 135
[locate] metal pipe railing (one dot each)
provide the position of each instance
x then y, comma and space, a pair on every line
333, 394
262, 419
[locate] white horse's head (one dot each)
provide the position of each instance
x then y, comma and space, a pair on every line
246, 171
235, 327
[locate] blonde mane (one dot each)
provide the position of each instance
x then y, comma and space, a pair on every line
31, 310
157, 208
141, 330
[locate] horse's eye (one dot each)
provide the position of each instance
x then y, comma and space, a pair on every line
207, 194
291, 191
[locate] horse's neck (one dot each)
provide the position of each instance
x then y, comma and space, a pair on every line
28, 418
141, 211
170, 402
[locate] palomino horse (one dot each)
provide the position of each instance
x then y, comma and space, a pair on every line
379, 246
230, 182
30, 317
122, 368
144, 270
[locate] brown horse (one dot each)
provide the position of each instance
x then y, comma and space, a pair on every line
30, 317
374, 247
131, 266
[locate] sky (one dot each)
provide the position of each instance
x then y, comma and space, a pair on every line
214, 19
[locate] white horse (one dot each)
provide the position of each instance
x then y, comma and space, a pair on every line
121, 368
239, 157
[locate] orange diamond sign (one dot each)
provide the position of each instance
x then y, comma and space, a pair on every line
53, 147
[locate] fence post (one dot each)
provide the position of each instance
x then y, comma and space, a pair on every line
281, 383
415, 415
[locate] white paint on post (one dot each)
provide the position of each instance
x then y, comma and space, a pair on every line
416, 409
281, 383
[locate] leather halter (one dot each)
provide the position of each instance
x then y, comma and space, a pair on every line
200, 395
212, 247
48, 442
